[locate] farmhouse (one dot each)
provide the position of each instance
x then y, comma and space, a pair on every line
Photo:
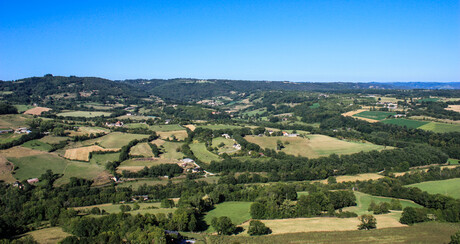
399, 115
188, 160
289, 135
32, 181
227, 136
117, 124
22, 130
237, 146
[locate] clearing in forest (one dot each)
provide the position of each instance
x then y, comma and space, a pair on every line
450, 187
141, 149
313, 146
82, 153
238, 212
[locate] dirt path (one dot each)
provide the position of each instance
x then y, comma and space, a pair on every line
351, 113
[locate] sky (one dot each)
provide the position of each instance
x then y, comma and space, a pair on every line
315, 41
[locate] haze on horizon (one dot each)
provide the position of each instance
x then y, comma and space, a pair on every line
322, 41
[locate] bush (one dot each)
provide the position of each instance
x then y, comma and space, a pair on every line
258, 228
223, 225
125, 208
346, 214
367, 222
167, 203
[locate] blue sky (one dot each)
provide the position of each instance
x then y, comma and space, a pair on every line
256, 40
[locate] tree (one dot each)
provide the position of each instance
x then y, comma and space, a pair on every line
331, 180
257, 210
136, 206
256, 227
125, 208
223, 225
367, 222
455, 239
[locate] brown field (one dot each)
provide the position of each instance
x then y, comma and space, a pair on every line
102, 178
158, 142
13, 121
48, 235
282, 226
191, 127
351, 113
179, 134
6, 169
455, 108
17, 152
82, 153
87, 130
37, 110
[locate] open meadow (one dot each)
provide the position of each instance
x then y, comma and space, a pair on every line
200, 151
405, 122
228, 145
14, 121
441, 127
313, 146
151, 208
85, 114
82, 153
141, 149
450, 187
375, 115
114, 140
238, 212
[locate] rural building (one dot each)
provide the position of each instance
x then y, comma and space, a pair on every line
22, 130
227, 136
6, 131
188, 160
32, 181
399, 115
289, 135
237, 146
117, 124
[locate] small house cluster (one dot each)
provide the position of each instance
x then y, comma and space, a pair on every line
22, 130
289, 134
117, 124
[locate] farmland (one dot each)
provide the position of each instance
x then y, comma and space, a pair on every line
375, 115
142, 149
238, 212
200, 151
35, 166
449, 187
38, 145
441, 127
9, 137
228, 145
85, 114
13, 121
219, 126
313, 146
151, 208
48, 235
82, 153
115, 139
405, 122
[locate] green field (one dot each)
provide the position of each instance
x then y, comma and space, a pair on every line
141, 149
22, 108
53, 139
35, 166
115, 139
428, 100
429, 232
14, 121
441, 127
172, 127
377, 115
228, 148
86, 114
115, 208
449, 187
4, 138
238, 212
200, 151
452, 161
363, 200
103, 159
313, 146
219, 126
79, 170
405, 122
38, 145
315, 105
169, 150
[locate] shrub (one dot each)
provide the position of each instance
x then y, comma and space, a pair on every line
258, 228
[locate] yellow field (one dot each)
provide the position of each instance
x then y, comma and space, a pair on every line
82, 153
455, 108
37, 110
141, 149
48, 235
83, 130
351, 113
191, 127
295, 225
313, 147
179, 134
6, 169
16, 152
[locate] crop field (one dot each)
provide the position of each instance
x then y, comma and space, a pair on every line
238, 212
82, 153
169, 150
200, 151
35, 166
449, 187
405, 122
37, 145
53, 139
313, 147
103, 159
6, 170
441, 127
4, 138
48, 235
228, 148
141, 149
326, 224
37, 110
219, 126
376, 115
115, 208
115, 139
178, 134
86, 114
429, 232
363, 200
84, 130
79, 170
431, 99
13, 121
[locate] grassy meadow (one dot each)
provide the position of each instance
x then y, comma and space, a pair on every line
37, 145
238, 212
450, 187
441, 127
405, 122
376, 115
141, 149
200, 151
85, 114
313, 146
227, 148
144, 208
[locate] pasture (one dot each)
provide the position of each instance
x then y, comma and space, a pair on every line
22, 107
450, 187
363, 201
85, 114
8, 137
455, 108
452, 161
35, 166
228, 145
178, 134
405, 122
38, 145
313, 146
14, 121
219, 126
441, 127
82, 153
429, 232
103, 159
144, 208
53, 139
85, 130
48, 235
37, 110
238, 212
169, 150
115, 139
141, 149
6, 170
375, 115
200, 151
80, 170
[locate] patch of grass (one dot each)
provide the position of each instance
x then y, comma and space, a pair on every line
115, 208
14, 121
227, 148
170, 150
79, 170
219, 126
450, 187
441, 127
86, 114
452, 161
200, 151
38, 145
315, 105
22, 108
53, 139
115, 139
377, 115
178, 134
238, 212
430, 99
166, 127
8, 137
103, 159
141, 149
363, 200
35, 166
405, 122
313, 146
48, 235
429, 232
